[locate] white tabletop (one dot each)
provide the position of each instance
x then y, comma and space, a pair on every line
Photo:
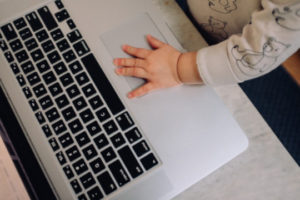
265, 170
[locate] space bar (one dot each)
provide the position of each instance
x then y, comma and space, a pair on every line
102, 83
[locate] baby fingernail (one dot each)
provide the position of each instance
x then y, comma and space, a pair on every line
118, 71
116, 61
124, 46
130, 96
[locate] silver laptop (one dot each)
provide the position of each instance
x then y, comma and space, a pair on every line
67, 117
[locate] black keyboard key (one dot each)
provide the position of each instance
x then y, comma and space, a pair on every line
9, 57
71, 24
34, 21
149, 161
39, 90
40, 117
62, 15
82, 139
25, 33
76, 187
31, 44
55, 90
89, 90
46, 102
119, 173
80, 166
87, 180
47, 131
61, 158
93, 128
107, 183
108, 154
66, 79
27, 67
53, 57
37, 55
9, 32
16, 45
47, 18
79, 103
82, 197
33, 78
82, 78
53, 143
110, 127
49, 77
95, 194
34, 106
73, 153
73, 91
97, 165
65, 140
89, 152
63, 45
59, 4
68, 172
42, 35
69, 113
20, 23
130, 161
96, 102
52, 114
81, 48
60, 68
48, 46
75, 67
3, 45
57, 34
43, 66
86, 115
69, 56
141, 148
133, 135
21, 80
124, 120
102, 83
101, 141
62, 101
21, 56
103, 114
27, 92
74, 36
75, 126
14, 67
59, 127
117, 140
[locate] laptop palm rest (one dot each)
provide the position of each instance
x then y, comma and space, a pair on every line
189, 127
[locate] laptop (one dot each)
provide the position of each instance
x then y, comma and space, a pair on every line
67, 117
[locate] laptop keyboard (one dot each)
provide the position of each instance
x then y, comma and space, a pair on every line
92, 134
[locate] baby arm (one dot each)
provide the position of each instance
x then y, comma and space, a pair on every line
162, 67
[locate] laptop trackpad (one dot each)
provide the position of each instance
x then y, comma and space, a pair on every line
132, 32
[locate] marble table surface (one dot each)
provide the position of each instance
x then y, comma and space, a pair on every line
265, 171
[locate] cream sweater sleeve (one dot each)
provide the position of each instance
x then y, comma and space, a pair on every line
272, 36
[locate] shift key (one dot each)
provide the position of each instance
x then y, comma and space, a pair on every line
130, 162
119, 173
47, 18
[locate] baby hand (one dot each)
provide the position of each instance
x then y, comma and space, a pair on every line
158, 67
